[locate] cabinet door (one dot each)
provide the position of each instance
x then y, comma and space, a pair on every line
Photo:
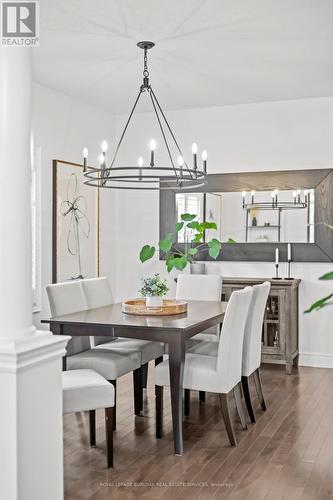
274, 325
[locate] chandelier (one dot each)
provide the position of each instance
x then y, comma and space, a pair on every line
177, 174
297, 202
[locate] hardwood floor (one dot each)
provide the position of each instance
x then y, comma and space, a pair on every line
287, 454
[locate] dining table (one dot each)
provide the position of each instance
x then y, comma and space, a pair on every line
173, 330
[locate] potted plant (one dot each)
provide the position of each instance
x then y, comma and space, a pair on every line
194, 242
154, 289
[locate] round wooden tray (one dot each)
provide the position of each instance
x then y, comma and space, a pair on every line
138, 306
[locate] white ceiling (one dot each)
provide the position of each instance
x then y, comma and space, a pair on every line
208, 52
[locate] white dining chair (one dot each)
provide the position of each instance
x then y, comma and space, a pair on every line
98, 293
200, 287
220, 374
68, 297
251, 359
252, 346
86, 390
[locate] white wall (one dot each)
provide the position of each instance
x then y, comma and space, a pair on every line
277, 136
62, 126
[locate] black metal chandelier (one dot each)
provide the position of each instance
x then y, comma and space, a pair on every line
275, 204
176, 175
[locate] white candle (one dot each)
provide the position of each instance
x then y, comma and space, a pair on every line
289, 252
276, 256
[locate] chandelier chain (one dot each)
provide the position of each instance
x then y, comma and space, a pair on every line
145, 64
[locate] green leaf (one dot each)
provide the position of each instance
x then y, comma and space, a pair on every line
194, 225
174, 261
198, 238
169, 262
147, 252
231, 240
166, 244
209, 225
327, 276
319, 304
180, 263
192, 251
187, 217
214, 248
179, 226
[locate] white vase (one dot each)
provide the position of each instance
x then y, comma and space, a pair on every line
154, 302
198, 268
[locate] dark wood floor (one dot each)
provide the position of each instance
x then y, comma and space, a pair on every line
287, 454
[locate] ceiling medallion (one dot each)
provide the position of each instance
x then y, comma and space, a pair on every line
175, 175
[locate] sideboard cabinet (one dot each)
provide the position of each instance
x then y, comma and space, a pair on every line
280, 326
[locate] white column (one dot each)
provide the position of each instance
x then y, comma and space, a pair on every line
31, 451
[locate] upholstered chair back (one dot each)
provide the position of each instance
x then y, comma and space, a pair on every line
229, 358
65, 298
199, 287
253, 329
98, 293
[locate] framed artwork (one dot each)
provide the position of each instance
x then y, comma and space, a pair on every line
75, 224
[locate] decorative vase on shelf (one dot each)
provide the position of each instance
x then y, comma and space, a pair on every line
197, 268
154, 302
254, 221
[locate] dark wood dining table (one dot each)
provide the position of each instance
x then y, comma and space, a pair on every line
173, 330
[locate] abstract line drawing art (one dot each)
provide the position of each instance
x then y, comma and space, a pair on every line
75, 207
75, 226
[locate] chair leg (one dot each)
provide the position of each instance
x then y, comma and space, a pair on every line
92, 427
226, 418
109, 425
187, 396
239, 404
202, 397
257, 382
159, 410
114, 383
144, 369
138, 391
247, 397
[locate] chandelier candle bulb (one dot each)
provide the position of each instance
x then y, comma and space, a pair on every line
152, 147
104, 147
195, 159
289, 252
85, 158
243, 195
295, 196
252, 197
140, 164
204, 159
102, 159
276, 197
273, 196
299, 196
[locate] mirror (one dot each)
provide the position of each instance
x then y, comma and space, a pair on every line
241, 204
261, 217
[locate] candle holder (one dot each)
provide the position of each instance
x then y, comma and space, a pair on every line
289, 271
277, 277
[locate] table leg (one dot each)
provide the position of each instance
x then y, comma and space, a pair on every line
57, 329
176, 368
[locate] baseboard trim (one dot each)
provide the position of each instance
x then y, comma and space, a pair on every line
316, 359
